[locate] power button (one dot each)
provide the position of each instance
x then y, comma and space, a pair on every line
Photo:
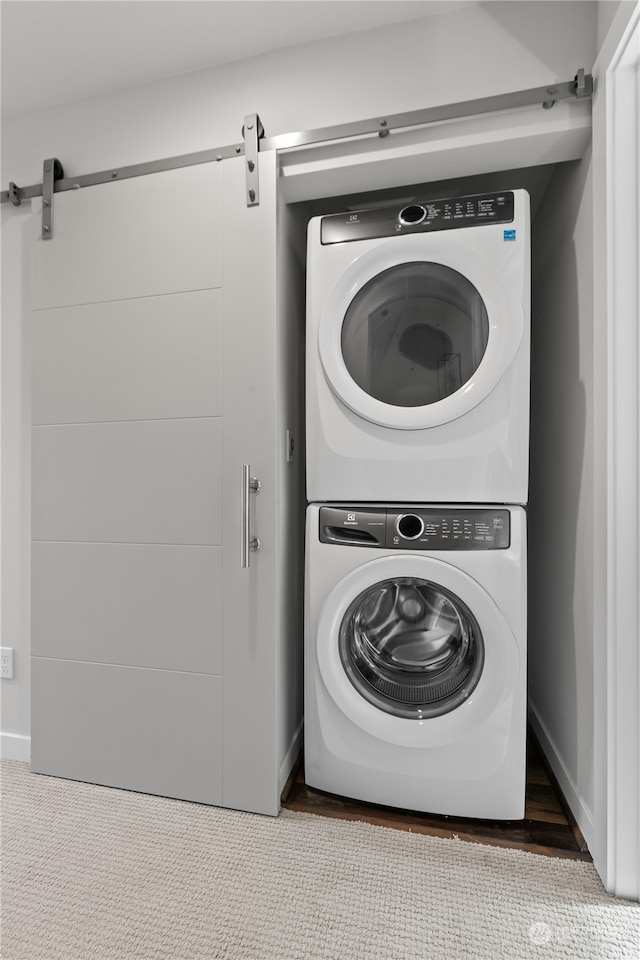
410, 526
413, 214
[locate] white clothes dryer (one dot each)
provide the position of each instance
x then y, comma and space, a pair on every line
418, 352
415, 657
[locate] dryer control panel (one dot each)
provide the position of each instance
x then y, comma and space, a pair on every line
417, 528
420, 216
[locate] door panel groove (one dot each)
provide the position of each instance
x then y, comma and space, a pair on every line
126, 666
146, 296
132, 543
85, 423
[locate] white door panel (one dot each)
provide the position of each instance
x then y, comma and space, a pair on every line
158, 610
138, 238
154, 381
156, 731
143, 359
139, 481
251, 697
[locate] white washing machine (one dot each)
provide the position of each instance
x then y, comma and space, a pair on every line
418, 352
415, 656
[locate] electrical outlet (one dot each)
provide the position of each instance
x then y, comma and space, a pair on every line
6, 662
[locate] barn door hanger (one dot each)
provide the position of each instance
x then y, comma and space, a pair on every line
252, 131
14, 194
51, 171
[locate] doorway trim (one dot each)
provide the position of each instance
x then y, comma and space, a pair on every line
617, 481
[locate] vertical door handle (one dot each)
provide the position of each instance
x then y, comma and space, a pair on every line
247, 542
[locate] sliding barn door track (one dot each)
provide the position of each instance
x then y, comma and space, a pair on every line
254, 142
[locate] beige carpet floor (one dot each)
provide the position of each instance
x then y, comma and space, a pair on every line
90, 873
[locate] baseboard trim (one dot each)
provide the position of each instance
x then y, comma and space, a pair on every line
575, 801
15, 746
291, 755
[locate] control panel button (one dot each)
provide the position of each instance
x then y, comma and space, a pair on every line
412, 214
410, 526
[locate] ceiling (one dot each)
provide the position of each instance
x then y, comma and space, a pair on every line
53, 51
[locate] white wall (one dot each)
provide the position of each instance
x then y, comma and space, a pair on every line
572, 658
561, 531
465, 54
607, 10
15, 479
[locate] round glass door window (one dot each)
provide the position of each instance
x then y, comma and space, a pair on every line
411, 647
414, 334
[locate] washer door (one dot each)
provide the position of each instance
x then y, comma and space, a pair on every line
414, 651
409, 342
411, 647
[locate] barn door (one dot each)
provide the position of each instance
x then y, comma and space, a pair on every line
153, 387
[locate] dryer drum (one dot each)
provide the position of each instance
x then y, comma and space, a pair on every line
411, 648
414, 334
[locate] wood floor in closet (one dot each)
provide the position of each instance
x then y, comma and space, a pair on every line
547, 828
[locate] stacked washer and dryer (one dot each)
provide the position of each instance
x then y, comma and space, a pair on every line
417, 420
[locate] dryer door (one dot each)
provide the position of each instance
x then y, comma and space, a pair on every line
410, 342
411, 647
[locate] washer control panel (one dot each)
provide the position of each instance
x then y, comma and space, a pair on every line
417, 528
421, 216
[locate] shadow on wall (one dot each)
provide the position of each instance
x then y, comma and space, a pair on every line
560, 544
